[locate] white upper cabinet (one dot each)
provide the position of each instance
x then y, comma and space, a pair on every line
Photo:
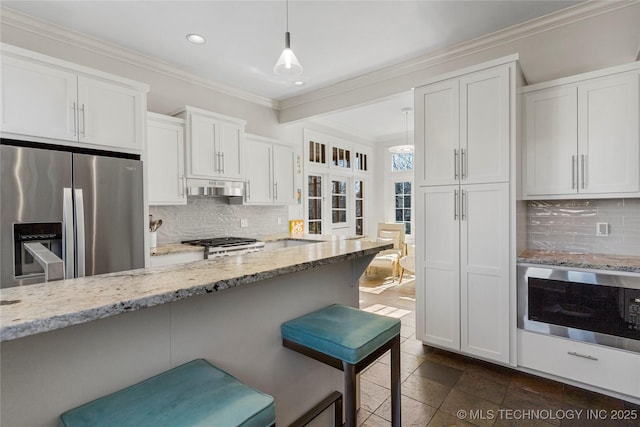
165, 160
270, 175
464, 123
259, 178
109, 114
582, 136
551, 141
608, 135
284, 174
215, 145
48, 98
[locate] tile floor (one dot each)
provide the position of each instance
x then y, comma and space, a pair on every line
440, 388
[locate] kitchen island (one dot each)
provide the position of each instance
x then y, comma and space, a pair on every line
65, 343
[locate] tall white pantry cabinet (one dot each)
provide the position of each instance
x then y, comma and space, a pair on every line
465, 127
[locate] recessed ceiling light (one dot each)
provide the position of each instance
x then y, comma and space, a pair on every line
196, 39
298, 83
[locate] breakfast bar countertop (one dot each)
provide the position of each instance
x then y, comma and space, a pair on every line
625, 263
33, 309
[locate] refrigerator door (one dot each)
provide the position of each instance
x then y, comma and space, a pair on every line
109, 214
32, 183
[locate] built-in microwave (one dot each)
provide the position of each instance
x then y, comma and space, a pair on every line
591, 306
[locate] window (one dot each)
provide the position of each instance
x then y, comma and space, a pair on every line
317, 152
401, 162
341, 157
359, 207
339, 202
361, 162
315, 204
403, 204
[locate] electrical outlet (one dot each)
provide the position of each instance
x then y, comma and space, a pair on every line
244, 223
602, 229
279, 221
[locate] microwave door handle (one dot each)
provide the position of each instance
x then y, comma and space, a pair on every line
67, 234
79, 216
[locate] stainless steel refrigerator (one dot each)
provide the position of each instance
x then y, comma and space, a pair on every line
78, 213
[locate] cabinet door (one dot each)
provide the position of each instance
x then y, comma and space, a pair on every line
110, 114
551, 142
438, 265
608, 136
437, 133
38, 100
284, 167
258, 176
203, 158
484, 270
484, 126
230, 149
165, 163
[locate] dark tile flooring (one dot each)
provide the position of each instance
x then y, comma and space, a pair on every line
440, 388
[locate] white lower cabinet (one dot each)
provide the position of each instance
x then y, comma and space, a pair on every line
165, 160
595, 365
464, 250
176, 258
270, 172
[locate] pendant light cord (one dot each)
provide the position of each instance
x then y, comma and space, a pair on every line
287, 16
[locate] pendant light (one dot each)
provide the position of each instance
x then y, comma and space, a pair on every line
407, 147
287, 65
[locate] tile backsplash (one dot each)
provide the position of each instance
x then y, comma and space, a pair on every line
214, 217
570, 225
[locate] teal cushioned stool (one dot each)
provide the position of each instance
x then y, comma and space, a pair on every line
350, 340
194, 394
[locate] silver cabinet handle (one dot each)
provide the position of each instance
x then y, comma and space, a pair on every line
84, 124
582, 168
218, 163
275, 191
455, 164
584, 356
75, 120
463, 164
248, 189
573, 172
222, 157
462, 207
53, 266
80, 231
183, 185
68, 241
455, 205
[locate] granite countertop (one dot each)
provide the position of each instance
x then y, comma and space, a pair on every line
626, 263
175, 248
33, 309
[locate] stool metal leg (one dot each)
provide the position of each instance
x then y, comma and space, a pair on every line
349, 394
395, 382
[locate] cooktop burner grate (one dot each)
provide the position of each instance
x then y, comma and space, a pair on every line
221, 242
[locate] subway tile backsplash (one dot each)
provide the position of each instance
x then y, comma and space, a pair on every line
214, 217
570, 225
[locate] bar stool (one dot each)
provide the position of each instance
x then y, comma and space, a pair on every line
350, 340
194, 394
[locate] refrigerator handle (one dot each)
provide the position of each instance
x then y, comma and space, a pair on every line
67, 233
79, 217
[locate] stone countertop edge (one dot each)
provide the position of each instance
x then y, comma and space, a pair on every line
620, 263
34, 309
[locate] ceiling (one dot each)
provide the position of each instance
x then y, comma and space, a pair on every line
334, 40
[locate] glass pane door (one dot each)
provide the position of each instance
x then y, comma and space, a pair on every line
314, 200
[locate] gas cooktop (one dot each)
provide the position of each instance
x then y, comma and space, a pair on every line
222, 246
221, 242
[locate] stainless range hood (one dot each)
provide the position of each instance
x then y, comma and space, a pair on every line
215, 188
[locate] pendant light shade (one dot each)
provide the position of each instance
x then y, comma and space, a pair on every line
287, 65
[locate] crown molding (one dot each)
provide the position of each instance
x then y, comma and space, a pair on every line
549, 22
12, 18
